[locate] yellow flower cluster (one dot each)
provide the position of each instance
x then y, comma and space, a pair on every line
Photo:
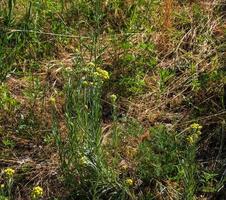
129, 181
196, 131
9, 172
37, 192
195, 127
102, 73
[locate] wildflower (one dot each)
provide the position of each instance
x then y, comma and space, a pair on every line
83, 160
195, 126
2, 186
37, 192
9, 172
190, 139
129, 181
113, 98
193, 138
102, 73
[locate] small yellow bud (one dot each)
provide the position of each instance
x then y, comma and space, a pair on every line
85, 83
91, 64
2, 186
113, 98
129, 181
52, 100
83, 160
96, 74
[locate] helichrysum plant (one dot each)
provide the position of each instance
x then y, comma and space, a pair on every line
82, 158
189, 165
9, 174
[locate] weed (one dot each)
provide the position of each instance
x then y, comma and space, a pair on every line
7, 102
6, 188
162, 155
82, 157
